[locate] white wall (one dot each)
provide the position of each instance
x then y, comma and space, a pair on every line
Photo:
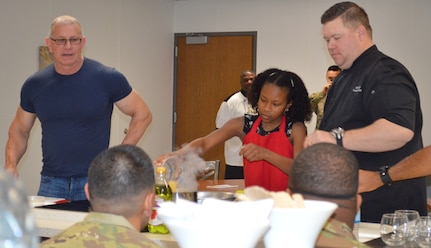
137, 37
289, 35
134, 36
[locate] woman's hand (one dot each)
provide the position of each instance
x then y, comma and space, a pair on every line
253, 152
161, 159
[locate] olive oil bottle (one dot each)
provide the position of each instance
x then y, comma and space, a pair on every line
163, 193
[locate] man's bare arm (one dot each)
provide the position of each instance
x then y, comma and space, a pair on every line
416, 165
19, 132
134, 106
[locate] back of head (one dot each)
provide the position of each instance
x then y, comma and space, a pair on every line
325, 171
351, 14
119, 176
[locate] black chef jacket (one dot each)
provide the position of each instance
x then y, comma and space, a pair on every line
377, 86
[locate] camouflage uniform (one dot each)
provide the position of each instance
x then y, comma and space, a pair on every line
337, 234
100, 230
317, 102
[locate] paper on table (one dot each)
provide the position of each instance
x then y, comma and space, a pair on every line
37, 201
222, 186
368, 231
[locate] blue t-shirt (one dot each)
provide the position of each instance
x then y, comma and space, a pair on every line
75, 114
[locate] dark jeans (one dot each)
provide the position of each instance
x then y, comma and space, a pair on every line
71, 189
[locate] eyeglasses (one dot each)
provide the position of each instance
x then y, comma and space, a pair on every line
73, 41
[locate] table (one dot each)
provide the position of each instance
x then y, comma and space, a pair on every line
227, 185
52, 221
368, 231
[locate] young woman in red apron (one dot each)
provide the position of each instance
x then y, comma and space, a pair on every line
273, 137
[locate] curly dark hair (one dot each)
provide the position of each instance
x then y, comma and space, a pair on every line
300, 109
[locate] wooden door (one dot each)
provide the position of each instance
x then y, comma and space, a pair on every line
205, 75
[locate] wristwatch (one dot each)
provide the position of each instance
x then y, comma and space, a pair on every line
384, 175
338, 134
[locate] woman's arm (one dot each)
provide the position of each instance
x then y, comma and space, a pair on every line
202, 144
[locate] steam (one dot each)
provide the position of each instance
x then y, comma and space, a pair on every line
184, 169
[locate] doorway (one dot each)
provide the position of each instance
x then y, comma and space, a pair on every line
207, 69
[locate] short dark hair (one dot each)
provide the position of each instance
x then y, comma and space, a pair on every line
244, 73
351, 14
120, 173
325, 170
334, 68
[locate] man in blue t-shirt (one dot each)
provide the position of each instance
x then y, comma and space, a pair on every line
73, 98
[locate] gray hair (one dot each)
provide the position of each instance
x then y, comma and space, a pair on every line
64, 19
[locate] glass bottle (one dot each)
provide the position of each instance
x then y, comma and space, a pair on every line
17, 225
163, 193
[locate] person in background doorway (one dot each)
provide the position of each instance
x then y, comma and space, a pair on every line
73, 98
235, 105
318, 99
327, 172
372, 109
120, 189
272, 138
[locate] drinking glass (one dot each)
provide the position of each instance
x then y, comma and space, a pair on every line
423, 228
393, 228
412, 220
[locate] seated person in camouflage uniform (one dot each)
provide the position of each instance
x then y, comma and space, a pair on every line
120, 189
328, 172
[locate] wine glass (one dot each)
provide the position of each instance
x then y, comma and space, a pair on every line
393, 229
412, 221
423, 238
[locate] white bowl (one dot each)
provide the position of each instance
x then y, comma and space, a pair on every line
213, 235
298, 227
216, 223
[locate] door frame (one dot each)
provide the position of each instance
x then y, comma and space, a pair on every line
253, 34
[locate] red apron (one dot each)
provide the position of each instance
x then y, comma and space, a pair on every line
262, 173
